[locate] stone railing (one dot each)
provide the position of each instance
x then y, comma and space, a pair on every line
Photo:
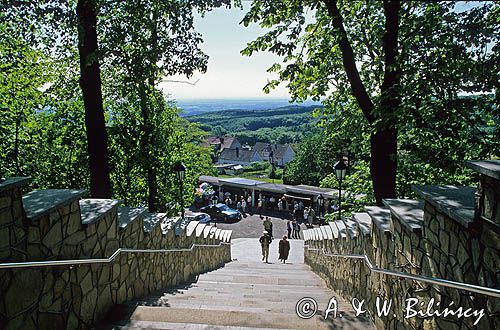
440, 237
54, 226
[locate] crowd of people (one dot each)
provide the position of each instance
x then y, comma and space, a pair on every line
296, 207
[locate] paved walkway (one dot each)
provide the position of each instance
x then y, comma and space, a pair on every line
251, 226
245, 294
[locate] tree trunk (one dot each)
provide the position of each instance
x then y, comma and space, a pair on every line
90, 83
147, 145
384, 149
383, 162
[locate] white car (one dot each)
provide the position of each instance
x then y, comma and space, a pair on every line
198, 216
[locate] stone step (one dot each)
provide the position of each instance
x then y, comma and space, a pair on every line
328, 231
455, 201
409, 212
351, 228
489, 167
92, 210
133, 325
191, 228
151, 220
364, 222
199, 229
175, 223
341, 227
244, 288
127, 215
251, 319
335, 230
39, 203
12, 182
381, 217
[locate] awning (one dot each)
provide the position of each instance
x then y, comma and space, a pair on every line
298, 197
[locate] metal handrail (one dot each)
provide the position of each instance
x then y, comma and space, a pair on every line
72, 262
438, 281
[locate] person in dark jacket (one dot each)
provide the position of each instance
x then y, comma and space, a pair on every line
289, 229
265, 240
284, 249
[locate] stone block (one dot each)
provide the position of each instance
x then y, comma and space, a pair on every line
73, 223
4, 238
88, 305
23, 291
86, 283
6, 217
76, 238
444, 241
5, 202
53, 236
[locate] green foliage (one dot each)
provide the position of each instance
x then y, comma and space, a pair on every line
283, 125
42, 130
444, 54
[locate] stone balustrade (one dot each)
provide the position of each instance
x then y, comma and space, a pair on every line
438, 237
59, 225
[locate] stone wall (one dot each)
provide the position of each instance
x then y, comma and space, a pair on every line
444, 249
75, 297
12, 233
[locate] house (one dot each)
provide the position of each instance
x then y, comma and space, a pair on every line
239, 156
280, 153
220, 143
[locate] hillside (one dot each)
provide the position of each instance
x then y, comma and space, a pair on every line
288, 124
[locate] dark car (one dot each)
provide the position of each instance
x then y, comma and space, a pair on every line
221, 212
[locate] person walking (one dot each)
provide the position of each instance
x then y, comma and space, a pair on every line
294, 227
283, 249
306, 214
289, 229
268, 226
243, 205
260, 205
265, 240
249, 204
311, 217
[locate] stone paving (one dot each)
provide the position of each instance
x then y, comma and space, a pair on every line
251, 226
246, 293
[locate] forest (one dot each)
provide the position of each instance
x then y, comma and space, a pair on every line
289, 124
409, 91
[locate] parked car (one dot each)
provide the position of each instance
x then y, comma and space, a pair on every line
222, 212
198, 216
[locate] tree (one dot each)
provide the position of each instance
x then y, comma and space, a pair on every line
90, 83
372, 57
144, 42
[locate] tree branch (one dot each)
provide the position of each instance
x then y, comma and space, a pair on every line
358, 89
181, 81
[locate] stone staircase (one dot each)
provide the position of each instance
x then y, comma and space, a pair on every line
244, 294
61, 224
451, 233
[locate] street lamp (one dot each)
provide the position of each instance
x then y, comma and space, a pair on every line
180, 172
340, 172
320, 199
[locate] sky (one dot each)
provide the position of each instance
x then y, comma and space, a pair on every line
229, 75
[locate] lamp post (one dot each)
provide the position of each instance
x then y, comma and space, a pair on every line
180, 172
340, 172
320, 199
271, 161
